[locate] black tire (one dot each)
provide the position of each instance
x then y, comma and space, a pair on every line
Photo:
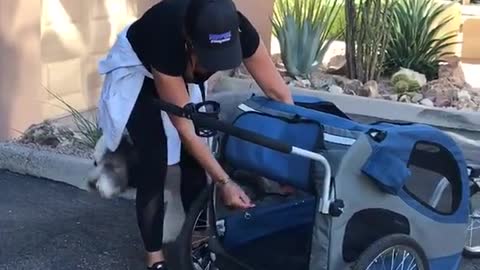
180, 255
387, 242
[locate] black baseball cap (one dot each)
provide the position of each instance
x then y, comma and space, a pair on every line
213, 27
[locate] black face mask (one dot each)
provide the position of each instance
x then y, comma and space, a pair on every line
200, 77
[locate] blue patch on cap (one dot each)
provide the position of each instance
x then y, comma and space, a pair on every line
220, 38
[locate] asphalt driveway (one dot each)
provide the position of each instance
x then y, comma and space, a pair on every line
50, 225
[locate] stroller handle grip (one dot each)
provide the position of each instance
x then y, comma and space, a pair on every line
210, 121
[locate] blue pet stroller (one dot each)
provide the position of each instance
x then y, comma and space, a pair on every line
367, 196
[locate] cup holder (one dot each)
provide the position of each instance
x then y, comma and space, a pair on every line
203, 110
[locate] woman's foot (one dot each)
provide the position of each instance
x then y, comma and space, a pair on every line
156, 260
158, 265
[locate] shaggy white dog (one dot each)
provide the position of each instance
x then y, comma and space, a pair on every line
109, 177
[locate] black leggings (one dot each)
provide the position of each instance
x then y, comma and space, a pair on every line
147, 133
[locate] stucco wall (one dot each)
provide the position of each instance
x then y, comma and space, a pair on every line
56, 45
19, 65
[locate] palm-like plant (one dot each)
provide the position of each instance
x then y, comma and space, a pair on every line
417, 42
303, 28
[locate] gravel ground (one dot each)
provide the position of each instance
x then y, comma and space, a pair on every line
78, 150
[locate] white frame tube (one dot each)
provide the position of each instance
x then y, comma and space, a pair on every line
324, 206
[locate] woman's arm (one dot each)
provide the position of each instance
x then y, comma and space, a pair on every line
263, 70
172, 90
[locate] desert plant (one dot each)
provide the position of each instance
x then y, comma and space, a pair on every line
89, 129
404, 84
367, 35
416, 41
303, 29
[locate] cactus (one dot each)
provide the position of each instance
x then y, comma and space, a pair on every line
367, 35
401, 87
399, 77
413, 86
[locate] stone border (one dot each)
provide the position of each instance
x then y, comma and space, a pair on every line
371, 107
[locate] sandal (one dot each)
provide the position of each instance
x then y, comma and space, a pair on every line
158, 266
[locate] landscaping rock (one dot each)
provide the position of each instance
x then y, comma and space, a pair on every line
417, 97
443, 92
47, 134
392, 97
427, 102
337, 65
369, 89
405, 99
335, 89
352, 87
298, 82
466, 102
452, 69
321, 81
412, 75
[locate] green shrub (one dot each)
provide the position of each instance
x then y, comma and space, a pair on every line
415, 44
303, 29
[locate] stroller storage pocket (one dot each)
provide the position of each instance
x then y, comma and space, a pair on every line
283, 168
276, 234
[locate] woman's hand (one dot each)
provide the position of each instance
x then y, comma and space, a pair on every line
233, 196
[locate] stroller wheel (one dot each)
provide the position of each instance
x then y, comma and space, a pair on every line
396, 251
472, 244
192, 251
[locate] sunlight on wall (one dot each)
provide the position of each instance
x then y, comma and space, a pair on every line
55, 18
120, 14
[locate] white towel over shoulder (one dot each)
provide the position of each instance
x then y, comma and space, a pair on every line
124, 75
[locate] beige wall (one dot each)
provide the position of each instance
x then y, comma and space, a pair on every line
57, 43
259, 13
19, 65
75, 35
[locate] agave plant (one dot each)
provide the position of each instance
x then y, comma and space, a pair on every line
417, 42
303, 29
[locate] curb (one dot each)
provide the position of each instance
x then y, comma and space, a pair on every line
373, 108
63, 168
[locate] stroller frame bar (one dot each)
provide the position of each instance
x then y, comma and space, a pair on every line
325, 201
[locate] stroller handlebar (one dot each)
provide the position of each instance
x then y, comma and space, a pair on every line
206, 123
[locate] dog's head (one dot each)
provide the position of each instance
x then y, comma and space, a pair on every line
109, 176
